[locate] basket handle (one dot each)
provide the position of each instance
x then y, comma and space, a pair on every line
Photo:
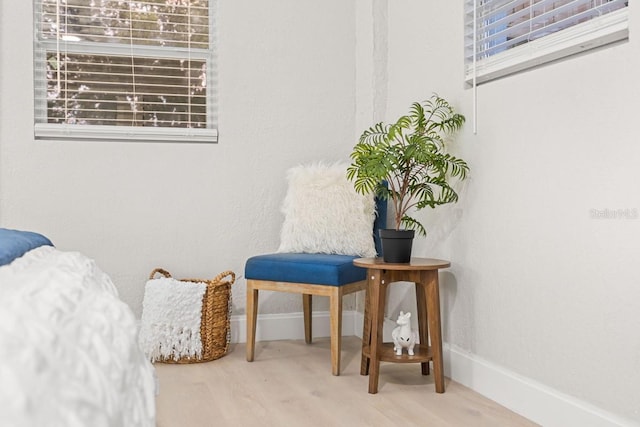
165, 273
218, 278
222, 275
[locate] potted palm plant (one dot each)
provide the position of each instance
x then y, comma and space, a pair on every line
407, 163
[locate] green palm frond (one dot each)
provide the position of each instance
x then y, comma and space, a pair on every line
410, 156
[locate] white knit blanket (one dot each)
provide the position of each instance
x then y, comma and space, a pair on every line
69, 354
171, 318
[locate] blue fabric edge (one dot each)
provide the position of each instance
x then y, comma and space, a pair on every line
15, 243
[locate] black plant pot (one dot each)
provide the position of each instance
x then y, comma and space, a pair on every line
396, 245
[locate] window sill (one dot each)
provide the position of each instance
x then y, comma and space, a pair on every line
595, 33
124, 134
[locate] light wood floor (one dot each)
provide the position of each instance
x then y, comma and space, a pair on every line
290, 384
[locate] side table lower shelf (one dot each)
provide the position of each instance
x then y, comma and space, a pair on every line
422, 354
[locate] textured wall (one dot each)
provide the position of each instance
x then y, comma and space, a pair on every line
538, 285
286, 96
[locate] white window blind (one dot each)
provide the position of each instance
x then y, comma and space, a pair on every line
507, 36
125, 70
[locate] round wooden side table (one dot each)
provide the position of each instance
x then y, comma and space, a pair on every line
424, 273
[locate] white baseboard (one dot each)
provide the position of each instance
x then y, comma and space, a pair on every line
290, 326
535, 401
531, 399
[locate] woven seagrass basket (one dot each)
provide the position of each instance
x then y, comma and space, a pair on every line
215, 324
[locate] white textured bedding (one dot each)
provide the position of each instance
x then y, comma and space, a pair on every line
69, 354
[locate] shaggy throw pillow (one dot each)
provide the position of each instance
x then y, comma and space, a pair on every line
324, 214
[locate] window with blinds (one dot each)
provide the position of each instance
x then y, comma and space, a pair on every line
507, 36
125, 70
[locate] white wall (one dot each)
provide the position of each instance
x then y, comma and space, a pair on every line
537, 285
286, 96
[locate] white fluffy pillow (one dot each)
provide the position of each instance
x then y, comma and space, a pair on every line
324, 214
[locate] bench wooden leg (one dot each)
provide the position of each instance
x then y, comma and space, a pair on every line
366, 332
307, 305
335, 321
252, 315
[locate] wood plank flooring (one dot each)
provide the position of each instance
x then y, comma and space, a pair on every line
290, 384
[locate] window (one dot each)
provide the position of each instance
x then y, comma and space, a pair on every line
507, 36
125, 70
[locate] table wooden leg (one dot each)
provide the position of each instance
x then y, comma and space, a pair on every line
423, 328
378, 296
366, 329
433, 313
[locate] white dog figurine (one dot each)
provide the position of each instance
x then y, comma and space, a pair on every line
403, 336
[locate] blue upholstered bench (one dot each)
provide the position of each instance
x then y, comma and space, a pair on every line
308, 274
